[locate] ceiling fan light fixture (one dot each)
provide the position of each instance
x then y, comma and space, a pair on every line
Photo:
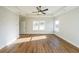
40, 11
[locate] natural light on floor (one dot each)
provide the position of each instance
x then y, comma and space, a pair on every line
21, 40
39, 37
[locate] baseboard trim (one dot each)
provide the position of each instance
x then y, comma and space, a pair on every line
10, 42
34, 34
77, 48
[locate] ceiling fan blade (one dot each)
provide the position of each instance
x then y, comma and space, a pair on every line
45, 10
39, 6
38, 9
44, 13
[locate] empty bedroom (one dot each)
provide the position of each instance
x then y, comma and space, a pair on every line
39, 29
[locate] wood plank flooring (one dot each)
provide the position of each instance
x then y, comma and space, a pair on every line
39, 44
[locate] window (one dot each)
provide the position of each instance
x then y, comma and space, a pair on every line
57, 22
35, 25
38, 25
41, 25
57, 25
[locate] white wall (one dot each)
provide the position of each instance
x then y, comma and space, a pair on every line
69, 26
27, 25
9, 26
22, 24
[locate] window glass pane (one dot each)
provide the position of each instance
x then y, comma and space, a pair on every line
57, 22
35, 25
38, 25
57, 25
42, 25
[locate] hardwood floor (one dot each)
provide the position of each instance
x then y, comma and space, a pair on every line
40, 44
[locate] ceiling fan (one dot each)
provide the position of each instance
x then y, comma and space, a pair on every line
40, 10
